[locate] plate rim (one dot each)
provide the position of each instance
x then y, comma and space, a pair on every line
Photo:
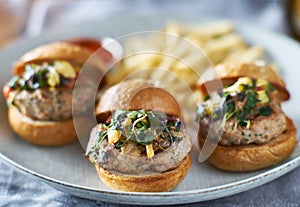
223, 190
278, 170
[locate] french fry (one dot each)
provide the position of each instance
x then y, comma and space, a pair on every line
177, 50
218, 49
188, 75
252, 54
196, 61
245, 55
235, 55
204, 31
159, 74
195, 40
213, 30
191, 67
172, 55
155, 41
141, 61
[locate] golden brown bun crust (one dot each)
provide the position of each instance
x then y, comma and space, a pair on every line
254, 157
138, 94
73, 53
231, 72
44, 133
161, 182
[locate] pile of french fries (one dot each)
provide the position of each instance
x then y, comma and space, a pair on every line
174, 49
181, 53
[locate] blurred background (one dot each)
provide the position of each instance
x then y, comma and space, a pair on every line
32, 17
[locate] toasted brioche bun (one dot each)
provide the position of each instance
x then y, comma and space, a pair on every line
72, 53
160, 182
44, 133
138, 94
254, 157
229, 74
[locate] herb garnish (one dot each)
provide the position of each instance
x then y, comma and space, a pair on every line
244, 100
140, 126
38, 76
60, 73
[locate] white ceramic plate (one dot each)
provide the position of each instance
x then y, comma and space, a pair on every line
66, 169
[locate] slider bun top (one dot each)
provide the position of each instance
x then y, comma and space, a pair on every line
72, 53
231, 72
137, 94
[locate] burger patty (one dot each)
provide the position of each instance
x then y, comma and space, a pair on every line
130, 159
262, 129
50, 104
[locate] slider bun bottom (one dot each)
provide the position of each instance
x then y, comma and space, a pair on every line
160, 182
254, 157
44, 133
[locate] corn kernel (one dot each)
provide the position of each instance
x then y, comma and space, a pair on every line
113, 136
53, 78
237, 86
261, 82
150, 151
263, 97
65, 68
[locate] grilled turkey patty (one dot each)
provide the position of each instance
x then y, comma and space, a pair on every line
50, 104
130, 160
262, 129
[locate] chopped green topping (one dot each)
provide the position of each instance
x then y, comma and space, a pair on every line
244, 100
61, 73
140, 126
44, 75
264, 110
271, 87
251, 100
206, 97
144, 136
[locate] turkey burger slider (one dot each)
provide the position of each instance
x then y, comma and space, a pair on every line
256, 132
140, 143
39, 96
